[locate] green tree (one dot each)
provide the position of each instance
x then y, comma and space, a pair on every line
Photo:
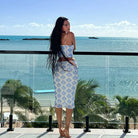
84, 91
52, 110
24, 119
20, 95
127, 106
87, 102
99, 109
39, 121
133, 109
121, 107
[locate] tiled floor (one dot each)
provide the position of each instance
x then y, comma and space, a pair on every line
75, 133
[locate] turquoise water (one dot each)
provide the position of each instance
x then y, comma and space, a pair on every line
115, 74
83, 43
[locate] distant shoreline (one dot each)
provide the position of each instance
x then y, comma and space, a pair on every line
93, 37
36, 39
75, 36
4, 39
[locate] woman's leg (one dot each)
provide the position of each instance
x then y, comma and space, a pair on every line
59, 117
68, 119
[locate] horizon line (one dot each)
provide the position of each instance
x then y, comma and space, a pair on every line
75, 36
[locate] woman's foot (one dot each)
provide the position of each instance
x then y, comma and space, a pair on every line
61, 133
66, 133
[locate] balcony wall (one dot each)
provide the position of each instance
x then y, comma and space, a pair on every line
115, 75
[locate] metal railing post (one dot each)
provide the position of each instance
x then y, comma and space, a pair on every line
50, 123
126, 129
87, 124
10, 123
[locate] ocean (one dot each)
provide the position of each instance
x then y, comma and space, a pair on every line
116, 75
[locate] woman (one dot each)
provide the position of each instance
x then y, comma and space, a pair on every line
64, 71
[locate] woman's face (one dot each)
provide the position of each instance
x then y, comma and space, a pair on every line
66, 26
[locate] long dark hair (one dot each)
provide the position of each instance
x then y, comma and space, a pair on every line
55, 42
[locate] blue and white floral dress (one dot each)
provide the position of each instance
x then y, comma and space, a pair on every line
65, 80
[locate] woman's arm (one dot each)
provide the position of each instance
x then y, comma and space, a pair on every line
73, 41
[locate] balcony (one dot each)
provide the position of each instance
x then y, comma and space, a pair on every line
113, 73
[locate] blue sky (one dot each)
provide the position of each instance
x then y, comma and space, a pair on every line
87, 17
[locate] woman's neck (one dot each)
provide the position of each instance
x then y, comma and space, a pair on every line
63, 32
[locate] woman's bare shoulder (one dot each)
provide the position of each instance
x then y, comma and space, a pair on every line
71, 33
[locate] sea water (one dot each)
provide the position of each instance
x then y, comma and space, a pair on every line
116, 75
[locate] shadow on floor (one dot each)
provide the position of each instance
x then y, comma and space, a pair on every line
123, 135
42, 134
3, 133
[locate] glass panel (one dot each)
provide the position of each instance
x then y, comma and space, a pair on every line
24, 87
28, 88
107, 105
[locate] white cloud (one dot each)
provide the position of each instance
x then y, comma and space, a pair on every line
33, 24
88, 26
50, 25
18, 26
122, 23
119, 29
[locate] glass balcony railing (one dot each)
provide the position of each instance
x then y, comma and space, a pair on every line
106, 92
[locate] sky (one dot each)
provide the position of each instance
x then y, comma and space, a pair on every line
105, 18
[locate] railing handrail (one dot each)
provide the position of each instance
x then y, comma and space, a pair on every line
75, 53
